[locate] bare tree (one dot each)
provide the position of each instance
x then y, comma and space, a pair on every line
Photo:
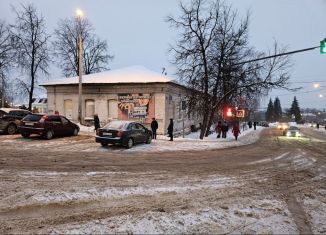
6, 59
212, 44
95, 51
31, 46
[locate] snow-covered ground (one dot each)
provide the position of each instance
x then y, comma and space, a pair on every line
189, 142
264, 216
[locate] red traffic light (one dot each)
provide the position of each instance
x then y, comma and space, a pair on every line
228, 112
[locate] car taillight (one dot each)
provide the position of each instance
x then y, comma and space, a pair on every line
120, 133
43, 119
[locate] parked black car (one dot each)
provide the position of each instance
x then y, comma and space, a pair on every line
10, 121
47, 126
125, 133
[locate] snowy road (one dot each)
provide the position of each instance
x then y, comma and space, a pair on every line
276, 185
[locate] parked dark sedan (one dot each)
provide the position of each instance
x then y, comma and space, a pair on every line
10, 120
125, 133
47, 126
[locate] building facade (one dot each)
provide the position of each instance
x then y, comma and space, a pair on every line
133, 93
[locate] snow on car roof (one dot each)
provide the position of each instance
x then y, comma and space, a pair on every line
133, 74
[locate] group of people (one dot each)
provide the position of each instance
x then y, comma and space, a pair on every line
224, 128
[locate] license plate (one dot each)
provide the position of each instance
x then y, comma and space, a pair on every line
29, 124
107, 134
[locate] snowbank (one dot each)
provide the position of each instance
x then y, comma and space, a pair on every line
192, 142
263, 216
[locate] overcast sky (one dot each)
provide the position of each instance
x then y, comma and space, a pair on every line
137, 34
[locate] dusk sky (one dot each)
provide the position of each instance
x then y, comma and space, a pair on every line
137, 34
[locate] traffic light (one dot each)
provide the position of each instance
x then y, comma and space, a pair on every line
323, 47
228, 112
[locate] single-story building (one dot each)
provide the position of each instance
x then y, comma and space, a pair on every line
133, 93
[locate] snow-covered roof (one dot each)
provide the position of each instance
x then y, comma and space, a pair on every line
134, 74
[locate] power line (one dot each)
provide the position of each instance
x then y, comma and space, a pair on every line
277, 55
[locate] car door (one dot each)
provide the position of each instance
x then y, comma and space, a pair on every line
66, 128
141, 132
133, 132
54, 123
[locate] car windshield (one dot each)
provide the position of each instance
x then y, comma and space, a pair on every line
293, 128
116, 125
32, 118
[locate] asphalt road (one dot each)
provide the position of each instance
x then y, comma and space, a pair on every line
47, 186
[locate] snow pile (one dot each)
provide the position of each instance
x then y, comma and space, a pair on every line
88, 130
191, 142
259, 217
315, 207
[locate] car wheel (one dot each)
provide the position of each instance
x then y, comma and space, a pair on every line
130, 143
11, 129
75, 133
25, 135
104, 144
48, 135
149, 140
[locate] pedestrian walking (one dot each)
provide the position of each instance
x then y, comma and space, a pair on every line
96, 123
225, 129
250, 124
154, 126
218, 129
255, 124
236, 130
170, 129
317, 125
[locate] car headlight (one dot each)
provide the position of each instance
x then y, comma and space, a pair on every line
288, 133
279, 126
297, 134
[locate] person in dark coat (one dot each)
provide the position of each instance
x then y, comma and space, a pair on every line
225, 129
96, 122
255, 124
154, 126
218, 129
250, 124
236, 130
170, 129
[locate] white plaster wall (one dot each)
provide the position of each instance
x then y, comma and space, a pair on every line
160, 112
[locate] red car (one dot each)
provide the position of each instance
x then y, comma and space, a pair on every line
47, 126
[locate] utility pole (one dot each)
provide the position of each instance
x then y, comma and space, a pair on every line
80, 64
2, 91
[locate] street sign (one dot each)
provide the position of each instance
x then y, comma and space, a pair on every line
240, 113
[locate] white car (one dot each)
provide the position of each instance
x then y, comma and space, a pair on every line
292, 131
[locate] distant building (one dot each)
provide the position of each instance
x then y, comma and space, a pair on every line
40, 105
133, 93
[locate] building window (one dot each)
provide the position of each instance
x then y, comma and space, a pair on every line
90, 108
112, 109
68, 108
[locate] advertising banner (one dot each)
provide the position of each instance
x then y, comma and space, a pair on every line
139, 107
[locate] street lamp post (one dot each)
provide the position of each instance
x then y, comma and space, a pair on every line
80, 14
